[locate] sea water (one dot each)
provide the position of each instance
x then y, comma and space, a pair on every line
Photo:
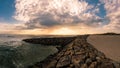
15, 53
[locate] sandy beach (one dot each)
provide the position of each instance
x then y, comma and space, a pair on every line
108, 44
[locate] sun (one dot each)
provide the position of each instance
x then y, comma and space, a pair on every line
63, 31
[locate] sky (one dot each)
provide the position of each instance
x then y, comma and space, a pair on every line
59, 17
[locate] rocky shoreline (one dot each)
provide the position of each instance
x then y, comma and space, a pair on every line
77, 54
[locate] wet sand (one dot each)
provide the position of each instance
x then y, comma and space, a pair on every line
108, 44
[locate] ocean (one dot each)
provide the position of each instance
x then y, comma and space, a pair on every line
15, 53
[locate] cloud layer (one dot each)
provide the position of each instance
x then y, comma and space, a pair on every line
75, 16
49, 13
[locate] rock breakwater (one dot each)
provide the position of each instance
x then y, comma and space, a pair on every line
77, 54
51, 41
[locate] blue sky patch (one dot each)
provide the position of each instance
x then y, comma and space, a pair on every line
7, 9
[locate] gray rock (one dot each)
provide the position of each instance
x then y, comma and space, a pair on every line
93, 65
88, 61
64, 61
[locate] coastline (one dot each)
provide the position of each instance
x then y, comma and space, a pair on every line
77, 54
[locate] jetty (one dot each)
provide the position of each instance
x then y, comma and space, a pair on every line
78, 53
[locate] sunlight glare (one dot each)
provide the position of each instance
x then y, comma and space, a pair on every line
63, 31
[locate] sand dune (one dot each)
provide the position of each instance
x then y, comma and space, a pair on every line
108, 44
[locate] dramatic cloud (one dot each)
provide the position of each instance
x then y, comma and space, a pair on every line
49, 13
74, 16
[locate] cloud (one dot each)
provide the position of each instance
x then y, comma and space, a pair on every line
49, 16
50, 13
6, 28
111, 5
113, 14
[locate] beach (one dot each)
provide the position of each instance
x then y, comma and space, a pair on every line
108, 44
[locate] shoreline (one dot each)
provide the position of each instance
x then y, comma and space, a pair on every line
77, 54
108, 44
